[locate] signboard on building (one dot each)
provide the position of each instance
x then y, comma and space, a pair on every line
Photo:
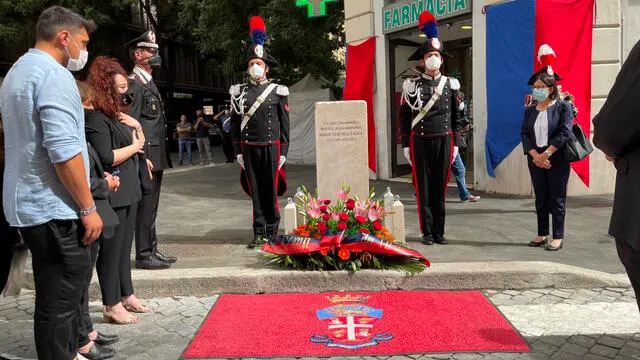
404, 14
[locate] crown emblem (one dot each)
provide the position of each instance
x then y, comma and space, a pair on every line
152, 36
347, 299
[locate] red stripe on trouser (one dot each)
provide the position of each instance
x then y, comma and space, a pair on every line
275, 182
415, 178
446, 183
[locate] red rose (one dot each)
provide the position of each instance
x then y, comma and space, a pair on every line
326, 217
361, 219
351, 201
350, 206
322, 227
341, 226
327, 202
344, 217
323, 208
377, 225
364, 231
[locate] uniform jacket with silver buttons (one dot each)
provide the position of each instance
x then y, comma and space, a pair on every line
444, 118
268, 125
147, 108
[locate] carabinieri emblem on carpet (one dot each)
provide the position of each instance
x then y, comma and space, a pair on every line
350, 323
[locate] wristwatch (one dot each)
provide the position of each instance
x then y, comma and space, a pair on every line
549, 153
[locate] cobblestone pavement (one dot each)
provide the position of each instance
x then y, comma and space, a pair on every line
558, 324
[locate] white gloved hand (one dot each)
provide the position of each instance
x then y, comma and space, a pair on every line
455, 154
282, 160
240, 160
407, 155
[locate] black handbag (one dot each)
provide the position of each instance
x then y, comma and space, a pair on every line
578, 146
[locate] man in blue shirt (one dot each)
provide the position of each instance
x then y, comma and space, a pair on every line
46, 182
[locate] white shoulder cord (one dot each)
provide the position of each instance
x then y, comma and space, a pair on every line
237, 102
416, 94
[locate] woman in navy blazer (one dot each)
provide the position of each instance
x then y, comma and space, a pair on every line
546, 128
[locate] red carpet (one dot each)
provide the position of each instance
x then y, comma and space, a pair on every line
361, 323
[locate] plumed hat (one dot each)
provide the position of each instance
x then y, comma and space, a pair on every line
428, 26
546, 57
256, 49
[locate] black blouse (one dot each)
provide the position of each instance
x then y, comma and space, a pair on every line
106, 135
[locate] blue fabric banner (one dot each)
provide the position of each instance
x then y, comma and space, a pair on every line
510, 56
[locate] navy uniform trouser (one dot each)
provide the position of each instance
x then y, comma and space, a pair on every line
261, 166
431, 166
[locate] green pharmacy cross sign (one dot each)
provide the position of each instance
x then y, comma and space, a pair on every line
315, 8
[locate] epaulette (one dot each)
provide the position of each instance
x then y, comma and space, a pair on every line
455, 84
282, 90
234, 90
409, 85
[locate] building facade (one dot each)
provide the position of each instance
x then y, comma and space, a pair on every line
461, 25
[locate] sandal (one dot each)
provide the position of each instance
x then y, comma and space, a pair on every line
128, 320
140, 310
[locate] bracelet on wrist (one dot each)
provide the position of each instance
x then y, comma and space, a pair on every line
89, 211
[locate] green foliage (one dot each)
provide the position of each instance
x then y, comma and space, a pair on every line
220, 29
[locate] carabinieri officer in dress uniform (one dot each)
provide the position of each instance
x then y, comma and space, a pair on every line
260, 133
148, 109
430, 120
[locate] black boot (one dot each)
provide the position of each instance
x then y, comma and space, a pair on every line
439, 239
427, 239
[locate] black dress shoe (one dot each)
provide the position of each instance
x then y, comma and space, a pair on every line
152, 263
166, 258
427, 240
439, 239
104, 339
534, 243
97, 352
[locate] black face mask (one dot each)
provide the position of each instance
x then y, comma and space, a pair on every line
155, 61
126, 99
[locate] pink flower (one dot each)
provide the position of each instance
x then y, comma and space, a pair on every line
335, 216
374, 214
342, 195
313, 208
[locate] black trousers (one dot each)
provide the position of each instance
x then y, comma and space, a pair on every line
550, 188
146, 238
261, 165
227, 147
86, 326
60, 264
114, 258
630, 258
431, 166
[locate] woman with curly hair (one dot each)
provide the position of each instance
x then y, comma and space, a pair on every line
119, 141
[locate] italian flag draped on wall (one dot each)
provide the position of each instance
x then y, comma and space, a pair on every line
515, 31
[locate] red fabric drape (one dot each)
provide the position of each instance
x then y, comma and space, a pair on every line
359, 86
567, 26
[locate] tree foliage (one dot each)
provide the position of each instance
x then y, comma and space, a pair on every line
302, 45
218, 29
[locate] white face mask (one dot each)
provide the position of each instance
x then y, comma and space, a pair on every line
433, 63
79, 63
256, 72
